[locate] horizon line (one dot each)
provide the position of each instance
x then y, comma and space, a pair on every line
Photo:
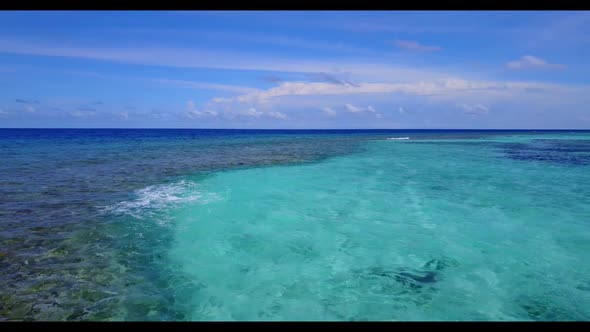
295, 129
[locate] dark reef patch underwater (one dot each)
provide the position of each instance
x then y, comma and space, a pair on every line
294, 225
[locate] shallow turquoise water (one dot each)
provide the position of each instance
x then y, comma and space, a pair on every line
427, 230
443, 226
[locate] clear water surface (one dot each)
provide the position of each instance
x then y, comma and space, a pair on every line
294, 225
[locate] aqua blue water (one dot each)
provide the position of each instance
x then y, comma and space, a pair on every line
294, 225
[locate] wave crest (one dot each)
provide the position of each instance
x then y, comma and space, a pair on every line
158, 198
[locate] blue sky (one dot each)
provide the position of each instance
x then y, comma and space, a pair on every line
316, 69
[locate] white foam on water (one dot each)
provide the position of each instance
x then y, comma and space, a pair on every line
158, 198
397, 138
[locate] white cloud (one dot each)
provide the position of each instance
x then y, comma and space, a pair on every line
451, 89
251, 112
230, 113
328, 111
29, 109
477, 109
155, 114
435, 87
192, 112
277, 115
297, 97
124, 115
413, 46
529, 61
354, 109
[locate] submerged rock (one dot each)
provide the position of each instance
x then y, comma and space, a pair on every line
415, 278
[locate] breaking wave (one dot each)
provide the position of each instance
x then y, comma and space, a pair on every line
156, 199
